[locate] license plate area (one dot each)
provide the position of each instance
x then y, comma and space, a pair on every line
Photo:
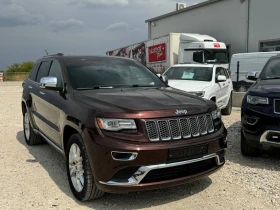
187, 153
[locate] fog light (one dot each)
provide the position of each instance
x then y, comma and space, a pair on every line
251, 120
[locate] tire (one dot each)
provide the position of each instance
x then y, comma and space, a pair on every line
31, 138
228, 109
85, 188
248, 150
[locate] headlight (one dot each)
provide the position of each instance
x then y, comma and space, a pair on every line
115, 124
216, 114
198, 93
257, 100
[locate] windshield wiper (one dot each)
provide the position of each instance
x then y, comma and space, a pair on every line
96, 87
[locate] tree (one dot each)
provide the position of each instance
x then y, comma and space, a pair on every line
23, 67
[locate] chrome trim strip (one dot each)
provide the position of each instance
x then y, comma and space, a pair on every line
263, 139
132, 157
49, 141
140, 174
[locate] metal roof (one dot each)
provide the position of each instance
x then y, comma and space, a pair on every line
183, 10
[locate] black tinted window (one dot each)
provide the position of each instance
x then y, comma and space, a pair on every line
272, 70
55, 71
43, 70
109, 71
34, 71
220, 71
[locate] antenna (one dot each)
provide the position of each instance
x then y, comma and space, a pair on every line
47, 52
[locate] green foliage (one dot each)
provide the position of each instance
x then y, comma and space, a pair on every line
23, 67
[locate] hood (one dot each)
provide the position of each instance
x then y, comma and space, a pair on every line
189, 85
268, 88
144, 102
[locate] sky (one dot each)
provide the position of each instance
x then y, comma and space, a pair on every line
77, 27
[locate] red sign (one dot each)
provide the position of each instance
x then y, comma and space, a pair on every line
217, 45
157, 53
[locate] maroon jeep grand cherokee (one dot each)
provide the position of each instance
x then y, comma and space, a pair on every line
120, 127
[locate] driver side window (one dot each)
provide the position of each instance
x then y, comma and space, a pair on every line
55, 71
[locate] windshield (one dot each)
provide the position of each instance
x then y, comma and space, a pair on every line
272, 70
216, 56
110, 72
190, 73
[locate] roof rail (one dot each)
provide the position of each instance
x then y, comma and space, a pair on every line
58, 54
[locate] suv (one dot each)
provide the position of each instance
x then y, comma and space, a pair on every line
260, 112
209, 81
120, 127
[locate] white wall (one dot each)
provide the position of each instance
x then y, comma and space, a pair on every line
224, 20
264, 22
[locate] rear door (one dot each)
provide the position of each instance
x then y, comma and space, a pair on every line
29, 89
40, 99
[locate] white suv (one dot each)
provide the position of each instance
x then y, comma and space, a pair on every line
210, 81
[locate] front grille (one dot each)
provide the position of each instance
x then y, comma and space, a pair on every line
176, 172
277, 106
182, 128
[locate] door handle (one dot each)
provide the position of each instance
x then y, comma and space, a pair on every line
42, 93
30, 87
224, 84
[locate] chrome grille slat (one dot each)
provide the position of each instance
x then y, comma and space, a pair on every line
164, 130
175, 129
182, 128
152, 130
185, 128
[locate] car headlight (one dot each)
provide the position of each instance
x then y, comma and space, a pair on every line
216, 114
257, 100
116, 124
198, 93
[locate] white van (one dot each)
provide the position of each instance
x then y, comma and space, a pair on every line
248, 62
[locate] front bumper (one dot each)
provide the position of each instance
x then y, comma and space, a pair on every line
263, 130
149, 161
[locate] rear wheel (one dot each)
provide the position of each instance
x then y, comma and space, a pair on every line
79, 172
248, 150
228, 109
30, 136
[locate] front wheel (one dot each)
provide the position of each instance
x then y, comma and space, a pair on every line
228, 109
79, 172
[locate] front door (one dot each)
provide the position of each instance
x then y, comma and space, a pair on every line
221, 88
55, 105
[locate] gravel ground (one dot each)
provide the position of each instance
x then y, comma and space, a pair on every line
35, 177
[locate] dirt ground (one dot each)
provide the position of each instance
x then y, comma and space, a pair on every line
35, 177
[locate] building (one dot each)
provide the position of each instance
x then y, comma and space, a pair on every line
244, 25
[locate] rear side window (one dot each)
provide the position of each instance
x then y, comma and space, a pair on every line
43, 70
34, 71
55, 71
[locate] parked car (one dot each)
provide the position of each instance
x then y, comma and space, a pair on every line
260, 112
120, 131
208, 81
248, 62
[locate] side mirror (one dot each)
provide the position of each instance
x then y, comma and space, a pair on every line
49, 83
164, 79
252, 76
198, 57
221, 78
